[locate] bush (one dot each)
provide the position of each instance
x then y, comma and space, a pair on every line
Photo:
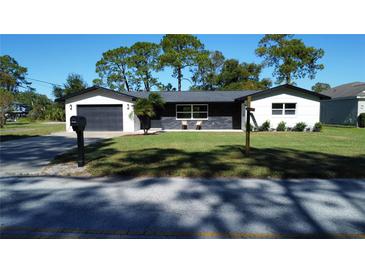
281, 126
361, 120
317, 127
38, 112
300, 126
252, 127
55, 112
265, 126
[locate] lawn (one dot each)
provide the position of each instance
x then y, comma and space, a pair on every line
334, 153
24, 128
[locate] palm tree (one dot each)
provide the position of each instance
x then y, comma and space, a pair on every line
145, 109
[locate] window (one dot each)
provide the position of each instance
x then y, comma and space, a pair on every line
283, 108
192, 112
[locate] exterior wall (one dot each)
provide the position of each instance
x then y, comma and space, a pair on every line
220, 116
339, 111
307, 108
361, 106
222, 122
103, 98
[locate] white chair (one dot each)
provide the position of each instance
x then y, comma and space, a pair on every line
184, 124
199, 125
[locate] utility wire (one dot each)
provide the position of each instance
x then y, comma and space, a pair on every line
53, 84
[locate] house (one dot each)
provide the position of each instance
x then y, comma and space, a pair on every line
17, 110
108, 110
346, 104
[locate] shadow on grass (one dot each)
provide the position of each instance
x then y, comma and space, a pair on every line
93, 152
223, 161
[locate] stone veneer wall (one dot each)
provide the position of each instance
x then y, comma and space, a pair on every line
221, 122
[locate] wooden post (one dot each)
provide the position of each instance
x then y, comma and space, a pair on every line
248, 124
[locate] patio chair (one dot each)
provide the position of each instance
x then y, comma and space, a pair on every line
184, 124
199, 125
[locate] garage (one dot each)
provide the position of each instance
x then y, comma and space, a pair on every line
102, 117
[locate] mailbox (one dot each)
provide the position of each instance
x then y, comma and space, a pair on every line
78, 124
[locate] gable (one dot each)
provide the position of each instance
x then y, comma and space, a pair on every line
288, 89
99, 96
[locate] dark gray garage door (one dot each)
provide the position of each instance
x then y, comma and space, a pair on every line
102, 117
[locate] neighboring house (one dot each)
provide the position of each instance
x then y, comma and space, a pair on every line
17, 110
346, 104
108, 110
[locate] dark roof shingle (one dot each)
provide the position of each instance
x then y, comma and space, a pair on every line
198, 96
346, 90
194, 96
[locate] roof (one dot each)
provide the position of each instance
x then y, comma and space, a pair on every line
93, 88
194, 96
198, 96
301, 90
353, 89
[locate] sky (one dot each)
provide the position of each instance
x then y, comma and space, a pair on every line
51, 58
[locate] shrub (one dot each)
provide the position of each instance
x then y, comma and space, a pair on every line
265, 126
38, 112
281, 126
317, 127
361, 120
300, 126
55, 113
252, 127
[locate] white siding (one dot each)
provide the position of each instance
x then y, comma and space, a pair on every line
339, 111
361, 106
307, 108
103, 98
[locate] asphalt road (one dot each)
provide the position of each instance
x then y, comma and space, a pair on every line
59, 207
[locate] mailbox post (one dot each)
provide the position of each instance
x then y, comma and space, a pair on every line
78, 124
248, 123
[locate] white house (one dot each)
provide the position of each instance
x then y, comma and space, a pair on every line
346, 104
285, 103
108, 110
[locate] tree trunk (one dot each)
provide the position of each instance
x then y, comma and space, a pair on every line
179, 76
125, 80
147, 85
288, 79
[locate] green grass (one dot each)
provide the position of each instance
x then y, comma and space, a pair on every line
333, 153
24, 128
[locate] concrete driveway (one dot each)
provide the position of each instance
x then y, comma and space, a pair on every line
30, 155
62, 207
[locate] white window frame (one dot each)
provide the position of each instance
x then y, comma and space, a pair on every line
284, 109
192, 111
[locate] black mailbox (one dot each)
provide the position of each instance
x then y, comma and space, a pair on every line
78, 124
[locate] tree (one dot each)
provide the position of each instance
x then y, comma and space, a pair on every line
113, 69
74, 83
6, 100
32, 98
180, 51
56, 111
168, 87
146, 108
319, 87
12, 75
143, 60
291, 58
205, 77
244, 76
